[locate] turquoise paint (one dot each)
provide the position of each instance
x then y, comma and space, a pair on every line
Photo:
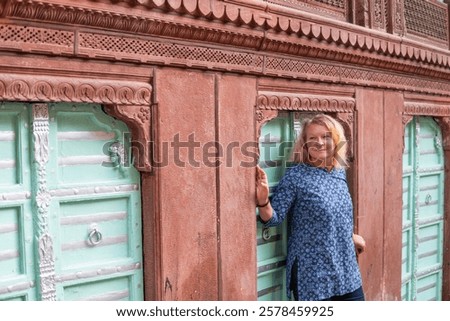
85, 195
423, 195
277, 137
17, 268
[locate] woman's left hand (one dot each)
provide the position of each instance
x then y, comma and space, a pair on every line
360, 243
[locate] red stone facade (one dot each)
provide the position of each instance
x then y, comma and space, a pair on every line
219, 69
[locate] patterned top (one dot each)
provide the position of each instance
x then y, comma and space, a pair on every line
321, 228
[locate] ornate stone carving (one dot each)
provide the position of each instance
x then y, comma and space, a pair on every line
379, 14
427, 18
238, 14
65, 89
362, 13
42, 199
270, 101
138, 119
262, 117
441, 112
398, 12
334, 8
347, 121
426, 109
406, 119
144, 50
444, 123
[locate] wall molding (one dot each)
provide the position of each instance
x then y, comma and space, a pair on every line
222, 22
426, 109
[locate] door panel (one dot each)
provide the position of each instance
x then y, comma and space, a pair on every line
423, 194
17, 270
275, 143
102, 290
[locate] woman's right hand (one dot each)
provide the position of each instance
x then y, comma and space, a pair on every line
262, 187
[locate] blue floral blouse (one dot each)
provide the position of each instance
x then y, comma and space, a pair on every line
320, 243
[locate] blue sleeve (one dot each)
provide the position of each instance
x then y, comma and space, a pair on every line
283, 198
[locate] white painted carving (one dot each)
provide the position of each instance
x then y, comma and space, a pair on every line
43, 198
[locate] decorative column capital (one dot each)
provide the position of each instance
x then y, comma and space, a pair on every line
138, 119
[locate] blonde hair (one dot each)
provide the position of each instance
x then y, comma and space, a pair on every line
300, 152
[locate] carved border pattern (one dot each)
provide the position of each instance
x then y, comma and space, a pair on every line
42, 199
17, 87
148, 51
379, 14
399, 16
337, 10
311, 103
268, 104
251, 15
426, 109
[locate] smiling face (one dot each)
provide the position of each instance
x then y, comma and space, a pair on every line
320, 145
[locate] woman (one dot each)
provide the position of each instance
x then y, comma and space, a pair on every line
321, 261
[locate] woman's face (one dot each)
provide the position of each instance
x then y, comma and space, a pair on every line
320, 145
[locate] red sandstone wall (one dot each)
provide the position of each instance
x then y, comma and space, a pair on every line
207, 217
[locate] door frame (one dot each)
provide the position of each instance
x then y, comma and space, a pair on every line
130, 102
440, 112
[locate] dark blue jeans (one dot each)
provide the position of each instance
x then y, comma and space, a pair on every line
357, 295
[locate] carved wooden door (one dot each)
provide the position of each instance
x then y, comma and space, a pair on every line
70, 216
423, 211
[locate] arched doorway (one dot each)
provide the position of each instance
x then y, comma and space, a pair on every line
70, 205
423, 211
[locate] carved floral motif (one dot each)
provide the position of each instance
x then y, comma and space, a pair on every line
42, 199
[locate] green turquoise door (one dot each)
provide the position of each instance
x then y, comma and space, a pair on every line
423, 211
70, 209
276, 141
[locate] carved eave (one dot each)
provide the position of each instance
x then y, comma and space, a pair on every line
237, 23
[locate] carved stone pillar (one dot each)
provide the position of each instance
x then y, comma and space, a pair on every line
371, 13
138, 119
362, 13
405, 121
347, 121
262, 117
396, 17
